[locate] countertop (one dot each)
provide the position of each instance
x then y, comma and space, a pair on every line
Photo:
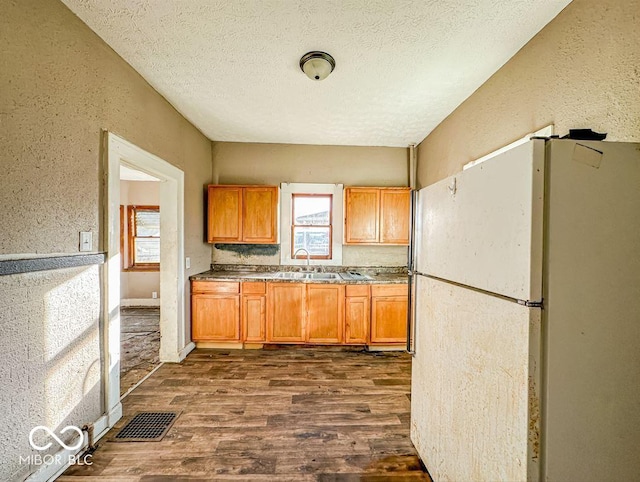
253, 273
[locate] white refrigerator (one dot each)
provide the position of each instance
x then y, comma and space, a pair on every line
526, 316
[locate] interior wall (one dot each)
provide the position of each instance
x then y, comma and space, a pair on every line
60, 84
273, 164
136, 285
580, 71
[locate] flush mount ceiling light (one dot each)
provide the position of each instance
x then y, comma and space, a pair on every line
317, 65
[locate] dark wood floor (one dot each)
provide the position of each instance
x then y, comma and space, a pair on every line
140, 344
273, 414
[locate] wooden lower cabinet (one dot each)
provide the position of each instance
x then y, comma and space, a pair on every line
286, 312
313, 313
325, 313
254, 312
357, 320
357, 309
389, 305
216, 317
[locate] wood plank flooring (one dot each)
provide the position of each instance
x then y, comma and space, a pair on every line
274, 414
140, 344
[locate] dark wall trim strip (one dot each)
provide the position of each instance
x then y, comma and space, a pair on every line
27, 265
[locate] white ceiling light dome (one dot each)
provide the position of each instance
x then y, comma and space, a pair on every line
317, 65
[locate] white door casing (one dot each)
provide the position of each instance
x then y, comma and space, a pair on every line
173, 343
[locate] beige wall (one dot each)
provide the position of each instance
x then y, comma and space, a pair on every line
243, 163
139, 284
60, 84
580, 71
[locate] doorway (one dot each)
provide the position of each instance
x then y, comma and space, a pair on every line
173, 343
140, 277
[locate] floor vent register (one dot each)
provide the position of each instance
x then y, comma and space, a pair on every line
147, 427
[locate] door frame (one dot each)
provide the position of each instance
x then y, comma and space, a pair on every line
174, 345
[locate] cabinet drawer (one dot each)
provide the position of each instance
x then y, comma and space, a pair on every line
254, 287
389, 290
357, 290
215, 287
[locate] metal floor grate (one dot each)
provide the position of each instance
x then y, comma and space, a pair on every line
147, 427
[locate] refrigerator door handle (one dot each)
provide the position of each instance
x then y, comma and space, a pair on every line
410, 282
411, 316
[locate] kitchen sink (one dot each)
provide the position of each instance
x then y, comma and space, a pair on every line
303, 276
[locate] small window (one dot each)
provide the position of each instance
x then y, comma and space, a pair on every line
311, 227
144, 237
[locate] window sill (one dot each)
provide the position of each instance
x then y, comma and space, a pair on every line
143, 269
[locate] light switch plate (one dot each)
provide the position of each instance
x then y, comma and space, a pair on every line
187, 262
86, 240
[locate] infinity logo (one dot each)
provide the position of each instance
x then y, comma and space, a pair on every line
68, 428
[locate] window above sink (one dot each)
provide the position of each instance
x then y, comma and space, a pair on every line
308, 222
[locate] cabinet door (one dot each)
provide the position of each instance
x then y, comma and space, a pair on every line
254, 310
225, 214
325, 313
357, 319
215, 317
362, 208
389, 319
260, 214
395, 206
285, 312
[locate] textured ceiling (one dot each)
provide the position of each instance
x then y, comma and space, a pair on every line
231, 67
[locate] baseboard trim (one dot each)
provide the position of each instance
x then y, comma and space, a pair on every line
220, 345
144, 302
186, 350
141, 381
61, 459
386, 348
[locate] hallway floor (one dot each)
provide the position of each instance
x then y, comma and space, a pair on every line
272, 414
140, 344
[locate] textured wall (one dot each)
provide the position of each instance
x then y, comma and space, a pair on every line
60, 84
49, 358
242, 163
580, 71
137, 284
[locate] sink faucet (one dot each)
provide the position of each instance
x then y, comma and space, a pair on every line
302, 249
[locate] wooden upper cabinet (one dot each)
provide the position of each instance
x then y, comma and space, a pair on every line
377, 215
362, 214
286, 312
260, 206
243, 214
325, 313
395, 209
225, 214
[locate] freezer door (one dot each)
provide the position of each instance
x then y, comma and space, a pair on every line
475, 385
483, 226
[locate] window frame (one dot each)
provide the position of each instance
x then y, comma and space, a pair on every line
286, 191
294, 226
131, 236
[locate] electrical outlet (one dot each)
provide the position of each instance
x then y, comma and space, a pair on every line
187, 262
86, 240
154, 294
